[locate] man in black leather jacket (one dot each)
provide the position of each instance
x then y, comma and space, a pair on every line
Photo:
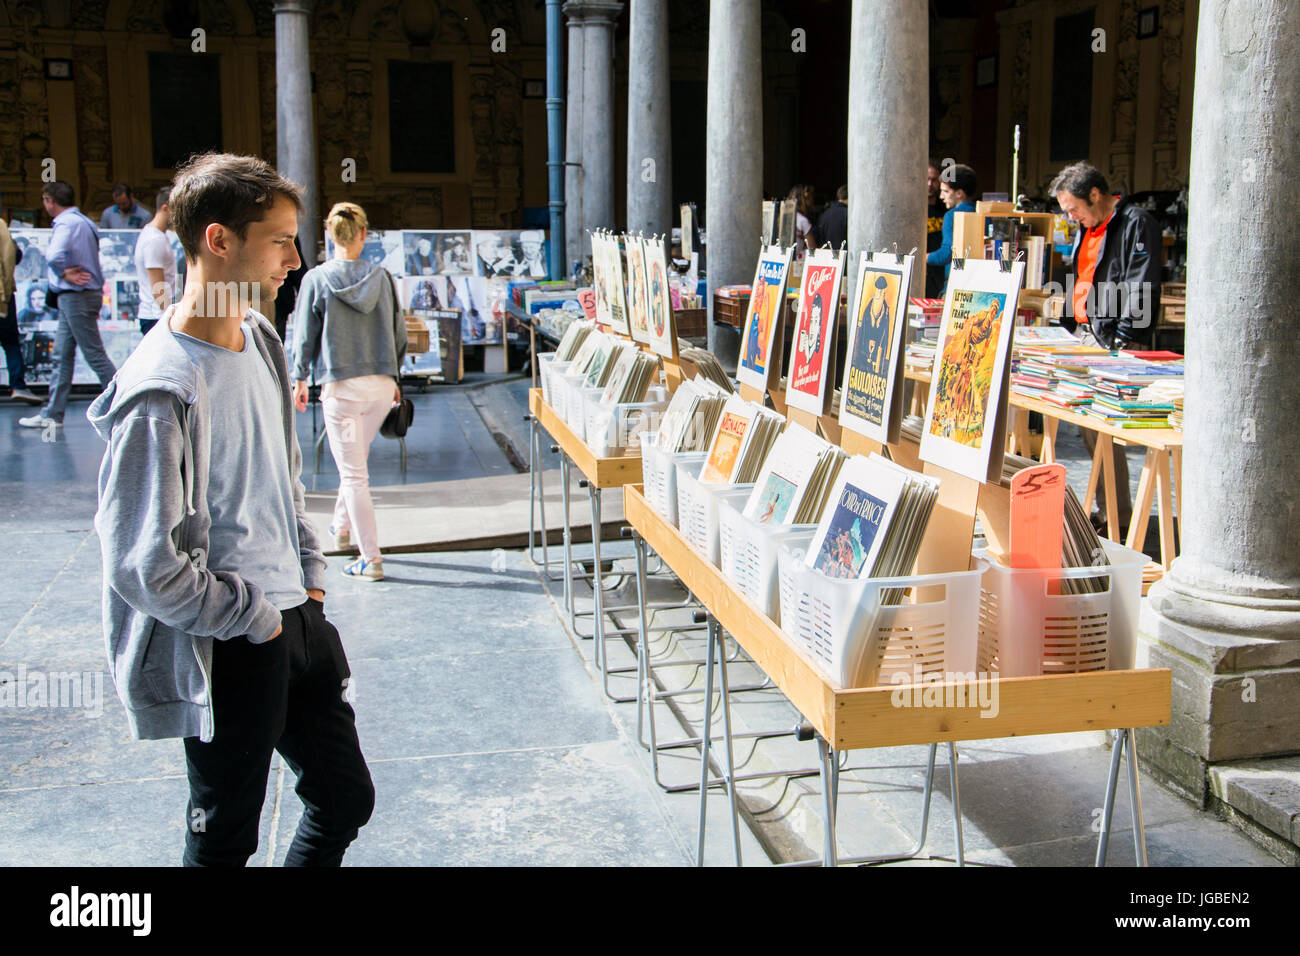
1116, 259
1116, 262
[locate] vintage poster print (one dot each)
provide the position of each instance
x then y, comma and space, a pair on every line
636, 289
600, 278
659, 307
616, 289
813, 343
726, 449
869, 401
767, 296
967, 393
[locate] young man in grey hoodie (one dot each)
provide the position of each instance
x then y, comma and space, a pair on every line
213, 581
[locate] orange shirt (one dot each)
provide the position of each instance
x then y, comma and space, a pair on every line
1085, 267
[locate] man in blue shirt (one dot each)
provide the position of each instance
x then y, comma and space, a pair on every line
72, 270
958, 188
125, 213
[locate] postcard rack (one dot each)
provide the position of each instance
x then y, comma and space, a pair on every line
854, 718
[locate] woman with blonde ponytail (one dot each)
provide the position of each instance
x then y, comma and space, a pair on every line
349, 325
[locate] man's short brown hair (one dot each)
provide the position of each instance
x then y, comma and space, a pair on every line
60, 192
227, 189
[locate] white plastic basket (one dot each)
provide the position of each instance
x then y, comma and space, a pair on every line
748, 550
659, 474
1026, 631
858, 642
616, 429
575, 406
697, 509
550, 373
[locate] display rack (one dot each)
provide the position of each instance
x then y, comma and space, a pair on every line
861, 718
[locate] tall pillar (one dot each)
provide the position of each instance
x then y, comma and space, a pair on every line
649, 127
295, 129
1226, 618
889, 130
598, 17
573, 221
733, 161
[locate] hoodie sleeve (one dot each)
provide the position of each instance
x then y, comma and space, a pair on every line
307, 325
399, 326
141, 506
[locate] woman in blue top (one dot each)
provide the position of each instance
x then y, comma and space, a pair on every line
958, 188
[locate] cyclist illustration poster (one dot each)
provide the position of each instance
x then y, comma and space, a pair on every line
761, 334
814, 332
965, 419
871, 396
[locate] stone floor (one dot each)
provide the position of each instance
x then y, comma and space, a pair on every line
488, 734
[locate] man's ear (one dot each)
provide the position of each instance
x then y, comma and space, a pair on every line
217, 239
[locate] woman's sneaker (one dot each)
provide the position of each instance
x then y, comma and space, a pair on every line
361, 568
342, 539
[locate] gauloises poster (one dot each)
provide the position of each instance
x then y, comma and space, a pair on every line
814, 336
765, 300
967, 391
869, 393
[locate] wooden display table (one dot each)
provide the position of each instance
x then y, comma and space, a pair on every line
1161, 477
860, 718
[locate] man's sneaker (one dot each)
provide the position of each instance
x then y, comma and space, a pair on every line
39, 421
22, 395
361, 568
342, 539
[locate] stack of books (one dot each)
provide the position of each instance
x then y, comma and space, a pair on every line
740, 445
794, 482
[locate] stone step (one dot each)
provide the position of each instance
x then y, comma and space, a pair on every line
1262, 797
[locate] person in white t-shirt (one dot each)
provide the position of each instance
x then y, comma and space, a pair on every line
155, 265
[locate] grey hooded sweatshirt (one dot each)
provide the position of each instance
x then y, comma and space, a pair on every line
347, 320
163, 607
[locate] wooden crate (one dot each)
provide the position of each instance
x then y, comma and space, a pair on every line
691, 323
417, 335
729, 310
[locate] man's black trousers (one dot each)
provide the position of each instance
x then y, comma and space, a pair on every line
285, 695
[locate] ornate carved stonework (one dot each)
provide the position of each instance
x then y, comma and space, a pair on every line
89, 14
11, 134
1020, 73
92, 102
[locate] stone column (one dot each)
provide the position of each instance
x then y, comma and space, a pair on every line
649, 129
573, 221
295, 128
598, 18
1226, 618
733, 195
889, 131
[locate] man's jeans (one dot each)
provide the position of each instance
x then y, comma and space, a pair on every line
285, 695
78, 328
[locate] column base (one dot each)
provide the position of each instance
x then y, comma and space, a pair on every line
1234, 694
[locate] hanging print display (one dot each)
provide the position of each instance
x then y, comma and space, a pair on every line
814, 332
761, 336
637, 300
871, 394
659, 307
965, 420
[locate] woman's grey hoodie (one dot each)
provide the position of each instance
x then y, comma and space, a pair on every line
163, 606
348, 322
